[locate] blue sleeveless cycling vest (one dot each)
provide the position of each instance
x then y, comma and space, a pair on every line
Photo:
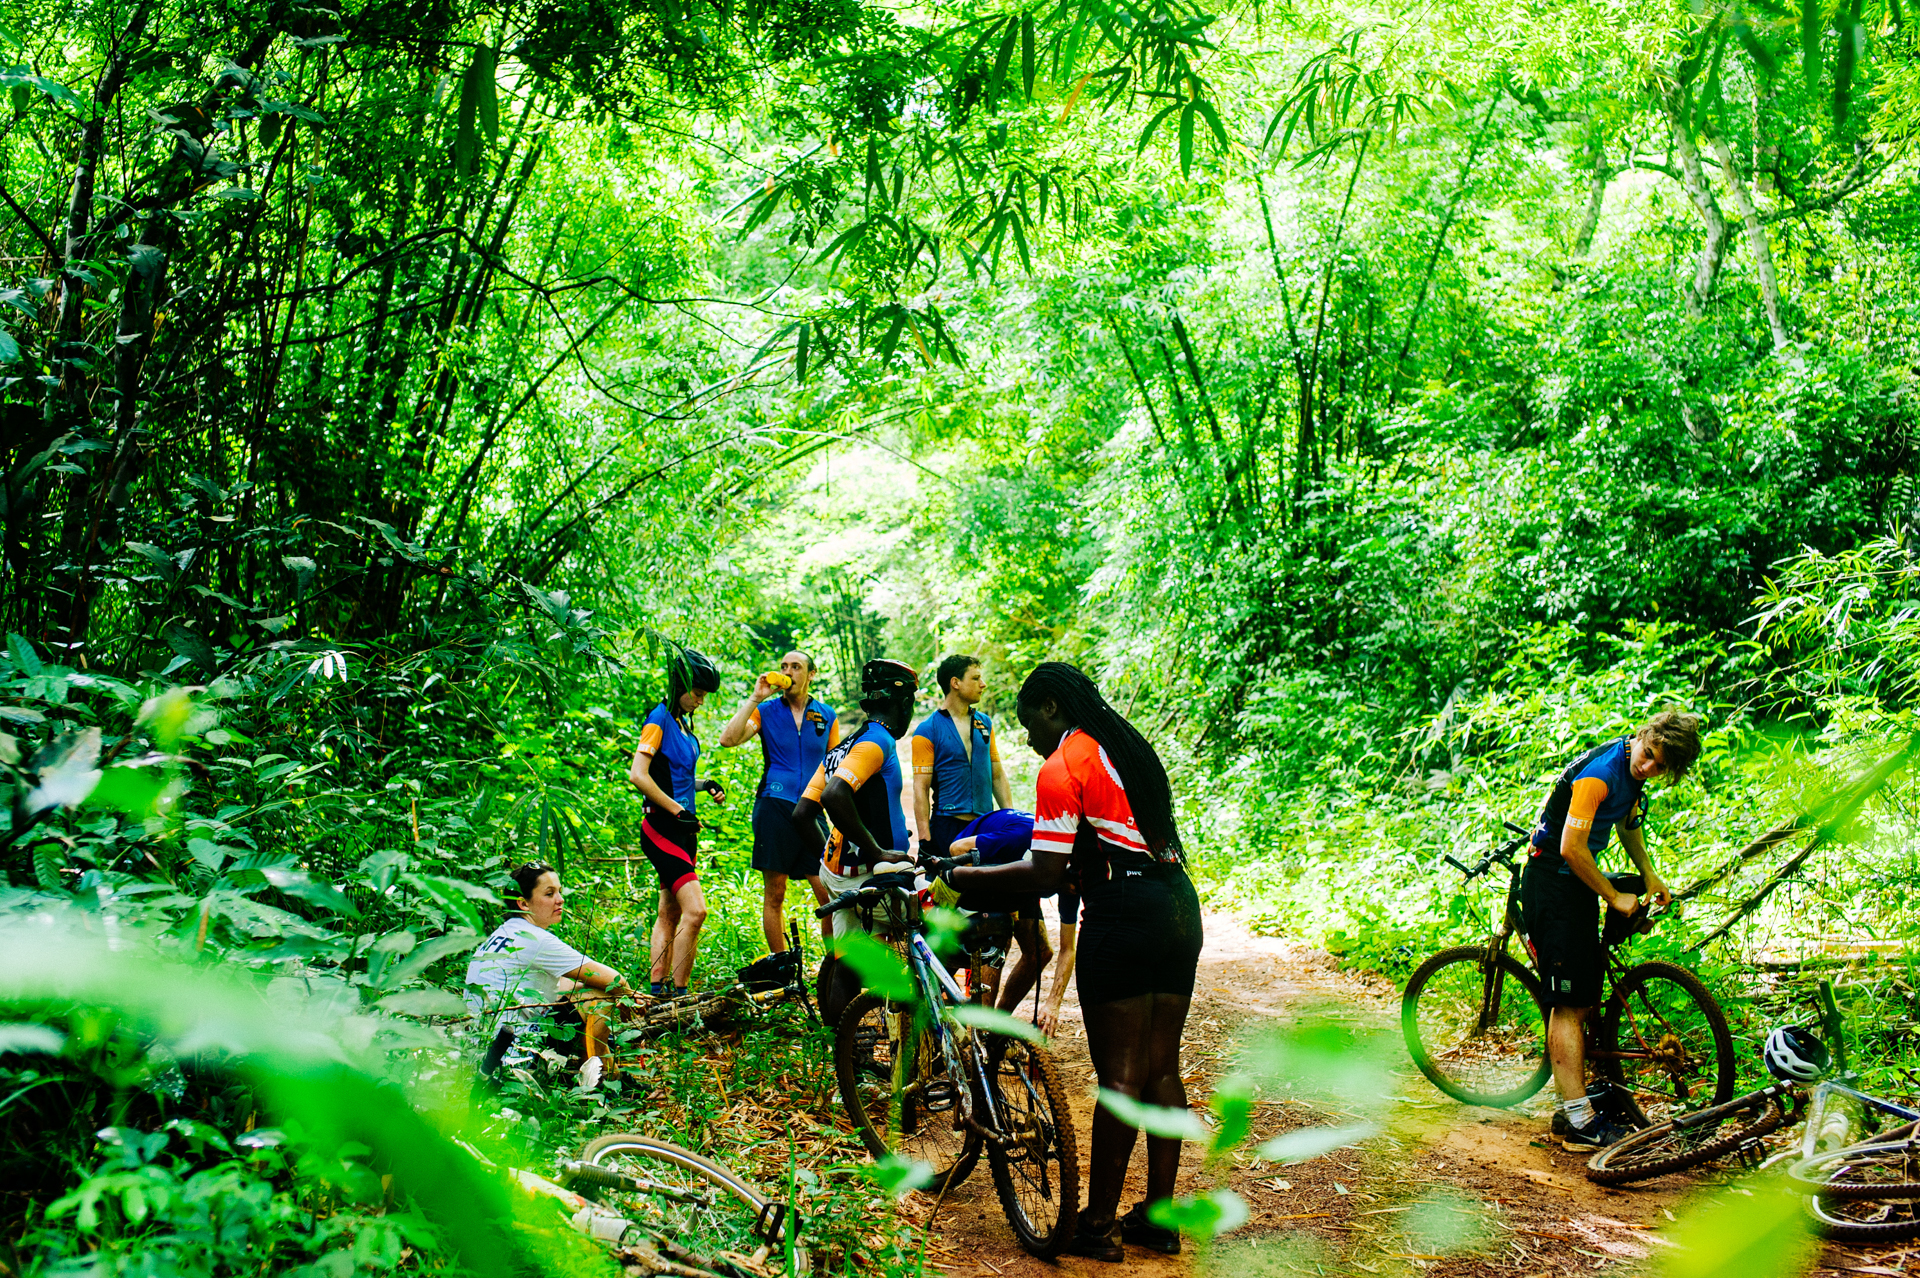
961, 786
791, 755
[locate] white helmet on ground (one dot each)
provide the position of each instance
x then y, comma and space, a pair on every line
1795, 1056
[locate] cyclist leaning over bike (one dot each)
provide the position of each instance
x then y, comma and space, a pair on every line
858, 786
1102, 805
1563, 886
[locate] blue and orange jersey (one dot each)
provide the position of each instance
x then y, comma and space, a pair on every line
671, 751
868, 762
962, 776
1603, 794
792, 752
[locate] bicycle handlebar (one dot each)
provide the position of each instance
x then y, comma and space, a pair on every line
872, 890
1503, 854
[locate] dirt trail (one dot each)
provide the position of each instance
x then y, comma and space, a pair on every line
1447, 1190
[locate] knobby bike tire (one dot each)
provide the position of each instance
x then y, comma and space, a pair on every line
1439, 1016
1662, 1008
1873, 1169
1665, 1148
1865, 1220
1038, 1175
863, 1066
610, 1150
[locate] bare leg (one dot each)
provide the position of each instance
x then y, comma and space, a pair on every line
1164, 1087
1035, 953
1567, 1049
660, 950
773, 904
820, 897
1117, 1039
692, 905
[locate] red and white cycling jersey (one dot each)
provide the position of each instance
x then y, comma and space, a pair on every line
1078, 783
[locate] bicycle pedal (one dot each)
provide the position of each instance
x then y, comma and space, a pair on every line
940, 1096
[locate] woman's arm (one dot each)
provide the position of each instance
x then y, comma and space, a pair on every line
1044, 873
639, 775
1064, 959
600, 977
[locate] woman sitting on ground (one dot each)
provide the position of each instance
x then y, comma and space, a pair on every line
522, 972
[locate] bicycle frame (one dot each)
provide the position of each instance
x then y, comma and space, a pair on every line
1494, 990
941, 991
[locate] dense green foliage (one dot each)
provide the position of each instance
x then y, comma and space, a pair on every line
1384, 404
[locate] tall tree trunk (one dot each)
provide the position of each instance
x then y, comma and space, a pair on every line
1693, 180
1756, 238
1596, 197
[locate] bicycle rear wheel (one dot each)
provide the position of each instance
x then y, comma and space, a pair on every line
1499, 1058
896, 1091
1665, 1040
701, 1214
1038, 1174
1665, 1148
1875, 1169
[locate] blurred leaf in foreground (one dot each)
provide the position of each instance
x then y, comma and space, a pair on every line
1756, 1229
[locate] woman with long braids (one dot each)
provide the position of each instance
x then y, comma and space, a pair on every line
1103, 807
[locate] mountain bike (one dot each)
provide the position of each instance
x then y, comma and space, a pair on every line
665, 1209
917, 1081
1475, 1020
1733, 1129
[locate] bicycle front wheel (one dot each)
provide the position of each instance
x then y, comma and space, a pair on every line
1865, 1220
700, 1214
895, 1088
1660, 1150
1876, 1169
1037, 1174
1478, 1032
1665, 1040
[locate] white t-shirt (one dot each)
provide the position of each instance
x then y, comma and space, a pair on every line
519, 963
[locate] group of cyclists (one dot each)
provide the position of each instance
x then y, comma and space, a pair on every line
832, 809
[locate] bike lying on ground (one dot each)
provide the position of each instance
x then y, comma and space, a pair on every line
664, 1209
917, 1081
1475, 1020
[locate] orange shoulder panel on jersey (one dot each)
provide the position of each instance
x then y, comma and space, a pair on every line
1056, 805
833, 733
817, 786
862, 762
753, 725
922, 756
650, 737
993, 744
1588, 794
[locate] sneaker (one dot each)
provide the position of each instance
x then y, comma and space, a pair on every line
1096, 1244
1135, 1228
1598, 1134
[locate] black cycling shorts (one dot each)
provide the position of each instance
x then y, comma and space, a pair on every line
1562, 920
1141, 935
780, 846
670, 845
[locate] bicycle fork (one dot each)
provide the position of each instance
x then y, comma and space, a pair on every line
954, 1047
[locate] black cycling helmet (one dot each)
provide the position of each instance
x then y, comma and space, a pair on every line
884, 679
688, 669
1794, 1055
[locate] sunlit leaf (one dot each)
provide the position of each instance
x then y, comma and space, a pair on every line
1155, 1120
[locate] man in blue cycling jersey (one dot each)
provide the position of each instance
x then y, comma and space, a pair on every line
795, 730
1562, 891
